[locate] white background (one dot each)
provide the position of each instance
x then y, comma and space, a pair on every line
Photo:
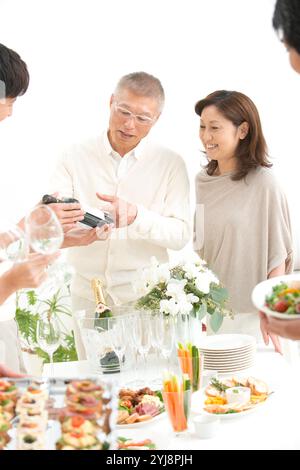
77, 50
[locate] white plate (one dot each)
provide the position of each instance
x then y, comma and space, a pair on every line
227, 352
228, 366
226, 342
232, 368
142, 423
229, 357
264, 288
199, 397
229, 360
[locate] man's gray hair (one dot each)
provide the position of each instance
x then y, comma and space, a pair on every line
143, 84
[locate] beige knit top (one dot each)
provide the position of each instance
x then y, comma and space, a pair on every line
246, 231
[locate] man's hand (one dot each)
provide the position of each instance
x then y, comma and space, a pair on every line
84, 237
68, 213
124, 213
285, 328
6, 372
268, 333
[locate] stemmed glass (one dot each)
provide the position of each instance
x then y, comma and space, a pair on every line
118, 337
141, 332
157, 334
45, 235
48, 335
13, 244
167, 337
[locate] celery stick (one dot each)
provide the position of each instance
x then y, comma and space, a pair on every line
195, 355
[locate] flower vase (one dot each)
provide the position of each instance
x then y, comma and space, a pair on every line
188, 329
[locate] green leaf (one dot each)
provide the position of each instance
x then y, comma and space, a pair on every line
216, 320
200, 312
27, 324
31, 297
219, 294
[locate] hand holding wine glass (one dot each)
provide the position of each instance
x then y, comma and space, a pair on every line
45, 235
44, 230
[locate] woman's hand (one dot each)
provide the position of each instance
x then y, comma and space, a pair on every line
267, 334
6, 372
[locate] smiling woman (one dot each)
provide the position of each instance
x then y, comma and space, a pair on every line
247, 235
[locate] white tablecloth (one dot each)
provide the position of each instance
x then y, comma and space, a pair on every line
273, 425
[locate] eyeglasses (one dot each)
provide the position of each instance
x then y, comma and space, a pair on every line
141, 119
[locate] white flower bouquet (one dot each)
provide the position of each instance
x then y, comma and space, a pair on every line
187, 288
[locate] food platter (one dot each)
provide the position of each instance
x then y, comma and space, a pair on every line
138, 408
57, 413
203, 401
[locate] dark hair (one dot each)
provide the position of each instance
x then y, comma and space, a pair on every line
238, 108
286, 21
13, 73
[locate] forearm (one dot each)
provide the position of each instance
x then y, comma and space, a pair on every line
7, 287
278, 271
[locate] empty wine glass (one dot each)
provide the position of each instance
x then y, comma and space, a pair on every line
48, 335
118, 336
45, 236
44, 230
142, 334
167, 336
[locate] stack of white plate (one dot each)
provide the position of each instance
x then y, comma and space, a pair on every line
228, 353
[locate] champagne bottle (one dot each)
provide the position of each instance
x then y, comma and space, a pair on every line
102, 310
109, 363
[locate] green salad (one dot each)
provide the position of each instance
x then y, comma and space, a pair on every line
284, 299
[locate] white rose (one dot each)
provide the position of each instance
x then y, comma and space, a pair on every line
169, 306
175, 288
202, 283
163, 273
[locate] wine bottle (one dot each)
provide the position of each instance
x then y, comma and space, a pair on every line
102, 310
109, 363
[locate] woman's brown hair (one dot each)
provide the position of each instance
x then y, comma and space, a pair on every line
238, 108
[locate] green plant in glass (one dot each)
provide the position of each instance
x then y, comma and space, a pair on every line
28, 309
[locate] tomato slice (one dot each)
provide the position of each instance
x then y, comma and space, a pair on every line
77, 421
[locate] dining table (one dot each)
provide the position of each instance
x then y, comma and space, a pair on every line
273, 424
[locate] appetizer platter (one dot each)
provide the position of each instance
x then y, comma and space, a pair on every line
231, 397
49, 414
139, 407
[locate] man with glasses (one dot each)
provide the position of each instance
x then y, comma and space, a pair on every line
143, 184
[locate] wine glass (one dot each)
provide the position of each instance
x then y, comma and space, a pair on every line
44, 230
48, 335
167, 336
142, 334
13, 244
118, 337
45, 236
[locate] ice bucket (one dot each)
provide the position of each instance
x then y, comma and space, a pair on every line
105, 340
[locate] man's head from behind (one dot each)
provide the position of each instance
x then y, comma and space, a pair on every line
286, 21
135, 106
14, 80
